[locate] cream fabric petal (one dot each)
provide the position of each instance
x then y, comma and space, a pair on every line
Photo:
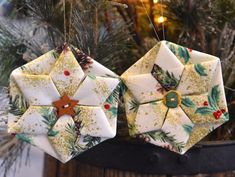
143, 65
99, 70
35, 86
199, 57
111, 116
199, 131
110, 108
95, 122
196, 78
43, 143
131, 107
62, 141
16, 98
198, 102
67, 74
42, 65
144, 87
150, 116
178, 125
12, 122
168, 61
217, 79
37, 89
155, 138
97, 88
34, 120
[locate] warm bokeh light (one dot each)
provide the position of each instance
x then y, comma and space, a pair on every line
161, 19
155, 1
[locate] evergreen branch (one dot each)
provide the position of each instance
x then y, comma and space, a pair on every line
166, 138
12, 156
91, 141
18, 105
134, 106
71, 140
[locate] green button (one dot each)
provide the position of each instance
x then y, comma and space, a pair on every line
172, 99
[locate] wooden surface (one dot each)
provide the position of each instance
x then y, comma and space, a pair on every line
53, 168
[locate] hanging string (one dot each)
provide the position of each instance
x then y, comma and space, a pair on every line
230, 89
65, 38
70, 19
154, 29
163, 30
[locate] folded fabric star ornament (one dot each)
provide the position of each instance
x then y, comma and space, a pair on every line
61, 107
175, 96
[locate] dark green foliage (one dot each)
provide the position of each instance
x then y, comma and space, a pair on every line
123, 88
107, 41
166, 137
24, 138
18, 105
187, 128
134, 105
71, 140
71, 129
166, 79
171, 47
114, 111
179, 51
91, 141
74, 147
50, 120
187, 102
204, 110
49, 116
213, 99
214, 95
114, 97
10, 58
201, 70
223, 11
52, 133
183, 53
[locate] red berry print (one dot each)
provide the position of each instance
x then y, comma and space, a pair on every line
217, 114
190, 50
13, 134
66, 73
205, 103
107, 106
223, 110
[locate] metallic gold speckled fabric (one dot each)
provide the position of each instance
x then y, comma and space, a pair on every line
33, 118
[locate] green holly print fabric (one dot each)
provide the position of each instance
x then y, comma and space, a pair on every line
174, 96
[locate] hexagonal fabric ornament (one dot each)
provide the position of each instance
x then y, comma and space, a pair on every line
175, 96
61, 107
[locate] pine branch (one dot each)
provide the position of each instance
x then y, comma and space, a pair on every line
12, 156
166, 138
106, 44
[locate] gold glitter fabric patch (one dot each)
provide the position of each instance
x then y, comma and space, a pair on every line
174, 96
62, 107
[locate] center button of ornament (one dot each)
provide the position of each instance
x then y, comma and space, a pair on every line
172, 99
65, 106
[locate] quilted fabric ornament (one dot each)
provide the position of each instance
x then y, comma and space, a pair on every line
175, 96
61, 107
